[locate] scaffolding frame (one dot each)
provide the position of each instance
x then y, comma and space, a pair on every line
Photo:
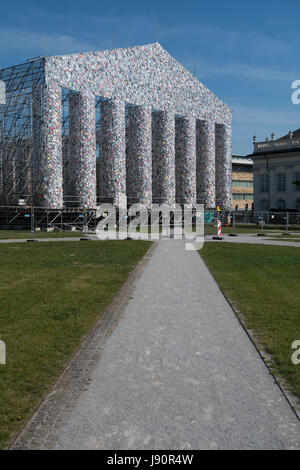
16, 131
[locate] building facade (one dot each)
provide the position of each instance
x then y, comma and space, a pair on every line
276, 167
242, 182
159, 134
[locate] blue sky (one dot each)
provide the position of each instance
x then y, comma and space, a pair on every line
246, 52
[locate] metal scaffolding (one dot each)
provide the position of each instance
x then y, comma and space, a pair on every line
16, 131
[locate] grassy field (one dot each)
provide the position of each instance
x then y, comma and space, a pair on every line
264, 283
209, 229
283, 239
11, 234
51, 294
289, 238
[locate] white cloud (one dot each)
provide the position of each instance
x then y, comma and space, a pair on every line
261, 121
206, 69
221, 39
13, 40
257, 116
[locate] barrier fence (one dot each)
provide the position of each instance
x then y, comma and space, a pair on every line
262, 222
85, 220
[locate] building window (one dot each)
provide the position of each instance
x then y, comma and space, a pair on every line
298, 205
240, 183
281, 204
242, 168
242, 196
264, 182
281, 182
297, 178
264, 205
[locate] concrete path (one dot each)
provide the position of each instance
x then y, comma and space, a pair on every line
255, 240
241, 238
177, 372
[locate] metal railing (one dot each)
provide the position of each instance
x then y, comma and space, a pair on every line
268, 146
33, 219
252, 222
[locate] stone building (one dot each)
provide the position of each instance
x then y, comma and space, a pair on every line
276, 167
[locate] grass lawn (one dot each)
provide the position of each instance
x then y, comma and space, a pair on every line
289, 238
283, 235
51, 295
211, 229
264, 283
13, 234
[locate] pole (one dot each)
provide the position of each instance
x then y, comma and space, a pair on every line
32, 219
233, 234
219, 230
287, 224
84, 221
261, 233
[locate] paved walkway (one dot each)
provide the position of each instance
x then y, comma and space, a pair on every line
177, 372
241, 238
255, 240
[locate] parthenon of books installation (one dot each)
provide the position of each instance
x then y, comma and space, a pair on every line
160, 136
